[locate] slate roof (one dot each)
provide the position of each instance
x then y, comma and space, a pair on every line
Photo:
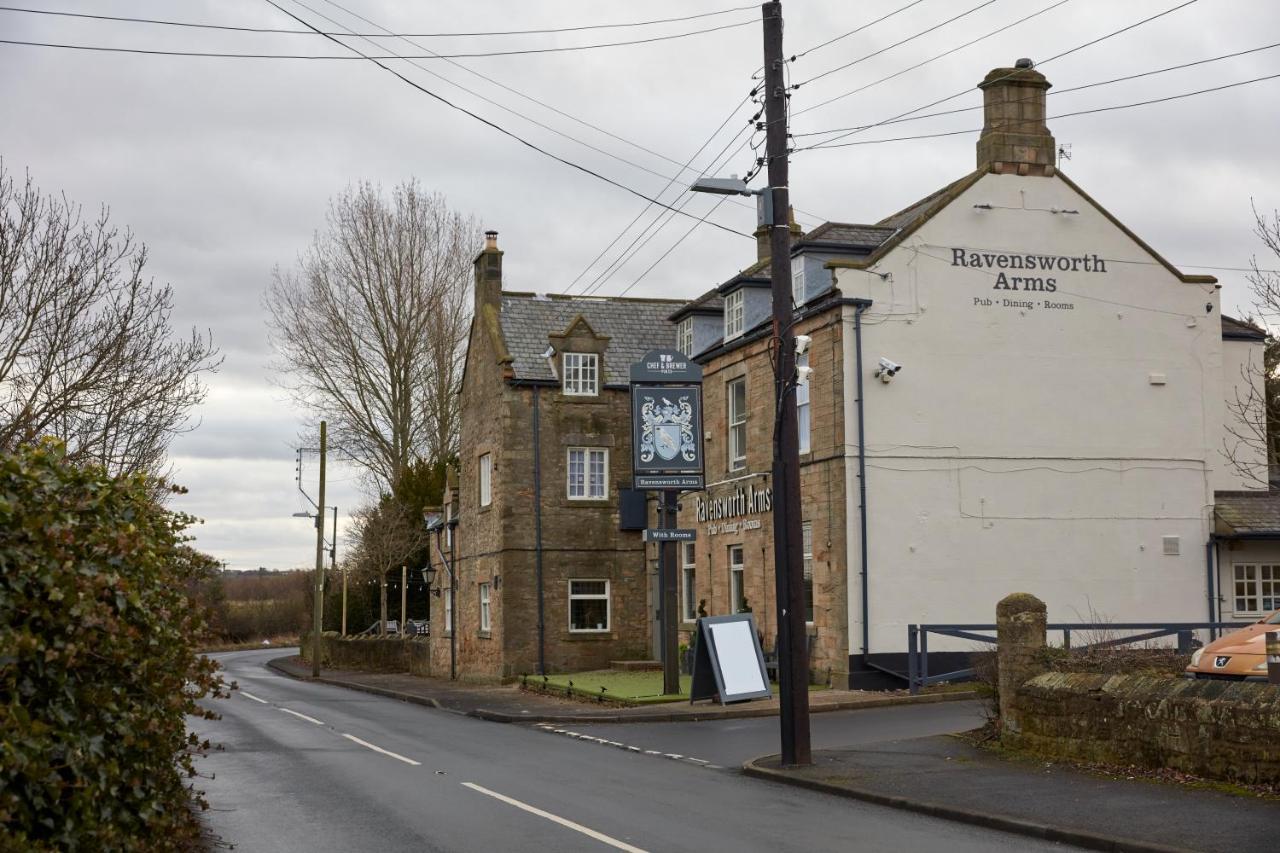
1238, 330
1247, 513
709, 302
849, 234
633, 326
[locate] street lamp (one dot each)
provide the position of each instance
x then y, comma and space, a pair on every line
733, 185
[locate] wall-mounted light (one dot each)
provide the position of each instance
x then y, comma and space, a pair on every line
983, 206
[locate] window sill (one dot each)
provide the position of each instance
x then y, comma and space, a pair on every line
589, 636
484, 635
588, 502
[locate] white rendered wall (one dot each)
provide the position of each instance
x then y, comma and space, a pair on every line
1044, 449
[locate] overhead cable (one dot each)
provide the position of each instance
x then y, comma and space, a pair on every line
1056, 56
471, 55
311, 32
942, 55
1068, 90
1006, 125
526, 143
854, 62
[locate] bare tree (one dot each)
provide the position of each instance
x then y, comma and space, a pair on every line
387, 535
87, 353
1252, 444
369, 327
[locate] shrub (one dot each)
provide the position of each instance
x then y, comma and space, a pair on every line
97, 664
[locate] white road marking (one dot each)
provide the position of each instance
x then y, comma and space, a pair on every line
303, 716
365, 743
697, 761
577, 827
254, 698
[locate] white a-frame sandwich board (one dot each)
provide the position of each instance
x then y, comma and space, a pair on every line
728, 662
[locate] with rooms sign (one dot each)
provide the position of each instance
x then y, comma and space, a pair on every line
666, 421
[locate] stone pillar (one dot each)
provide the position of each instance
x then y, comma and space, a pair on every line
1020, 639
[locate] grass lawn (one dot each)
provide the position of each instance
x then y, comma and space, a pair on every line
639, 688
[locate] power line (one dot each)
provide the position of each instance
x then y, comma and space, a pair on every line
942, 55
645, 209
472, 55
525, 96
1067, 52
1094, 85
659, 222
854, 62
419, 87
822, 146
855, 30
674, 246
311, 32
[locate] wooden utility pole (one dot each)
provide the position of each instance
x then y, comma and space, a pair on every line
317, 611
793, 658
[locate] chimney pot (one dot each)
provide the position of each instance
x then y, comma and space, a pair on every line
1024, 63
491, 239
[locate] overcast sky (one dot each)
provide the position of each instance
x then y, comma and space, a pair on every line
223, 167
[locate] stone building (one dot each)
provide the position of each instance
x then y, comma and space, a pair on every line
546, 578
1011, 392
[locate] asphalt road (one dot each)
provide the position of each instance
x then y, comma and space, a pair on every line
307, 767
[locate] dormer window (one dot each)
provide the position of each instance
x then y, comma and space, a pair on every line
797, 281
733, 315
684, 336
581, 374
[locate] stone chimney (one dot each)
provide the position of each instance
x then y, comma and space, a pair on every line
489, 272
1014, 137
764, 245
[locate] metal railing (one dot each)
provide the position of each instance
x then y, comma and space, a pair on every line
918, 641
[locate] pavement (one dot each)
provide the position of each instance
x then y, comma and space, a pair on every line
510, 704
308, 766
946, 777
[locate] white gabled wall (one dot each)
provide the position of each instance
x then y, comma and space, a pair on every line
1046, 447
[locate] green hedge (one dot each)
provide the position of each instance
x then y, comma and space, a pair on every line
97, 663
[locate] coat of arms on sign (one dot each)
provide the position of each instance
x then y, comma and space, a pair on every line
666, 429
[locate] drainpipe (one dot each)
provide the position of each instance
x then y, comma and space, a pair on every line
862, 305
537, 528
1208, 573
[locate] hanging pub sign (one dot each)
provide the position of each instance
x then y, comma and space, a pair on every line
666, 421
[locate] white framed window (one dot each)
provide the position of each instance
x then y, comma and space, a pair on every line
486, 479
484, 607
807, 537
588, 605
448, 528
736, 393
581, 374
733, 315
448, 609
684, 336
802, 405
797, 281
588, 473
688, 587
737, 592
1256, 587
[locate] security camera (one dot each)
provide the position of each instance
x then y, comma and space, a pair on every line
803, 373
802, 344
887, 370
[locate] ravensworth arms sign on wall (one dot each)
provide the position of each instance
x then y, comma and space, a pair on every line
723, 511
666, 421
1031, 276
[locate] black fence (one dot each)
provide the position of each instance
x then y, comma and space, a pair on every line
918, 675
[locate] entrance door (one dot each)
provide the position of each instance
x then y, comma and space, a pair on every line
655, 612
